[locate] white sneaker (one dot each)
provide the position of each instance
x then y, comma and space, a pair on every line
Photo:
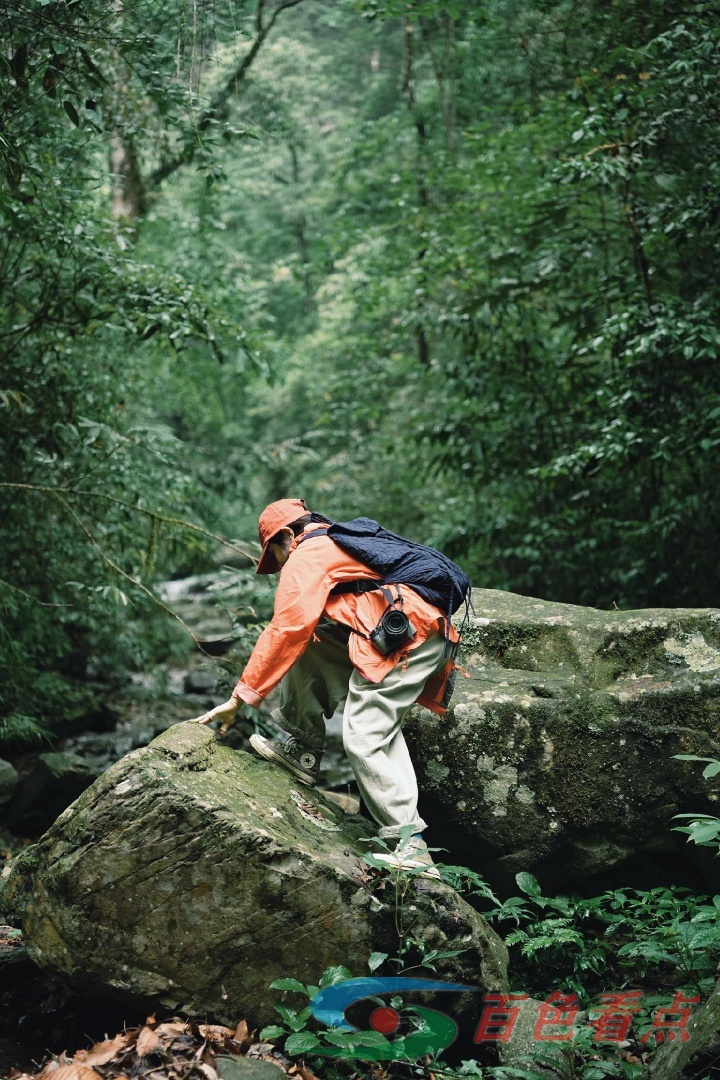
412, 855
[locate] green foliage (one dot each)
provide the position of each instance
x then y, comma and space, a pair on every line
548, 230
661, 937
702, 829
408, 906
87, 465
298, 1039
446, 264
17, 729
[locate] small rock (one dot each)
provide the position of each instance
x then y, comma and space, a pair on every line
200, 682
55, 779
8, 781
242, 1068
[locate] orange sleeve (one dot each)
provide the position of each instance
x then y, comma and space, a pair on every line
302, 592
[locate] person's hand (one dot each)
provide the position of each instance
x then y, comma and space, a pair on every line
225, 712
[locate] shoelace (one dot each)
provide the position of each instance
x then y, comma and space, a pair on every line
293, 745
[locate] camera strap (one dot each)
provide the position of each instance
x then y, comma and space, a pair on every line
363, 585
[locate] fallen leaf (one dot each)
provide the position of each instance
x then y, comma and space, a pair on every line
72, 1072
215, 1031
101, 1052
241, 1032
173, 1027
147, 1042
52, 1066
305, 1073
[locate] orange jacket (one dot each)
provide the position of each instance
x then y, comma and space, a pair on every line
303, 597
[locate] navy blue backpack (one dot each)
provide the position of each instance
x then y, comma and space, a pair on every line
436, 578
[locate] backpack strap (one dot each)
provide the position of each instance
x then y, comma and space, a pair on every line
361, 585
358, 586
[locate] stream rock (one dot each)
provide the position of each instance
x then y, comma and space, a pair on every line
53, 780
556, 755
8, 781
189, 876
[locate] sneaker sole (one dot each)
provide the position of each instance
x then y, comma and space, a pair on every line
429, 872
258, 743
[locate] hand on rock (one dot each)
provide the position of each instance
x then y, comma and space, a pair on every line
225, 712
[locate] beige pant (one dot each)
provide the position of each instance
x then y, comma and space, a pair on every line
321, 679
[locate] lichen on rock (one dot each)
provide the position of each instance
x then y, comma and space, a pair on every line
556, 755
190, 876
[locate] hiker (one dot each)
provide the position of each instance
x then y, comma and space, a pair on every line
379, 647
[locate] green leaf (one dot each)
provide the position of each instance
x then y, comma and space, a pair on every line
372, 1038
301, 1043
273, 1031
72, 112
288, 984
376, 959
333, 975
344, 1038
528, 884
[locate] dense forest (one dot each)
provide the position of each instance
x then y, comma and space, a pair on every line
448, 264
451, 264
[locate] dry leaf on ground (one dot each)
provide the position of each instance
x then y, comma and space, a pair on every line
101, 1052
208, 1071
172, 1027
243, 1035
147, 1042
215, 1032
71, 1072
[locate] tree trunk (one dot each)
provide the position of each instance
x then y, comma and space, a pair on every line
423, 347
128, 201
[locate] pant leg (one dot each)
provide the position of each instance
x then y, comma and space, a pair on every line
314, 686
374, 742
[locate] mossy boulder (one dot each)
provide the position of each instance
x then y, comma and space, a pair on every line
557, 753
190, 876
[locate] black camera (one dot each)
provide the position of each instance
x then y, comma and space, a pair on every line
392, 632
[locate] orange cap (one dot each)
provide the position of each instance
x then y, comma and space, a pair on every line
274, 518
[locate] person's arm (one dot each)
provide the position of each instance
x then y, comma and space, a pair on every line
299, 603
303, 589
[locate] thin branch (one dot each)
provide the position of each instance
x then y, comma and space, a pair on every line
138, 510
231, 85
42, 603
128, 577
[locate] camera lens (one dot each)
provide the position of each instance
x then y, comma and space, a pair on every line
396, 624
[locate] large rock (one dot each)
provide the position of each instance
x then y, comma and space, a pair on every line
557, 753
190, 876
